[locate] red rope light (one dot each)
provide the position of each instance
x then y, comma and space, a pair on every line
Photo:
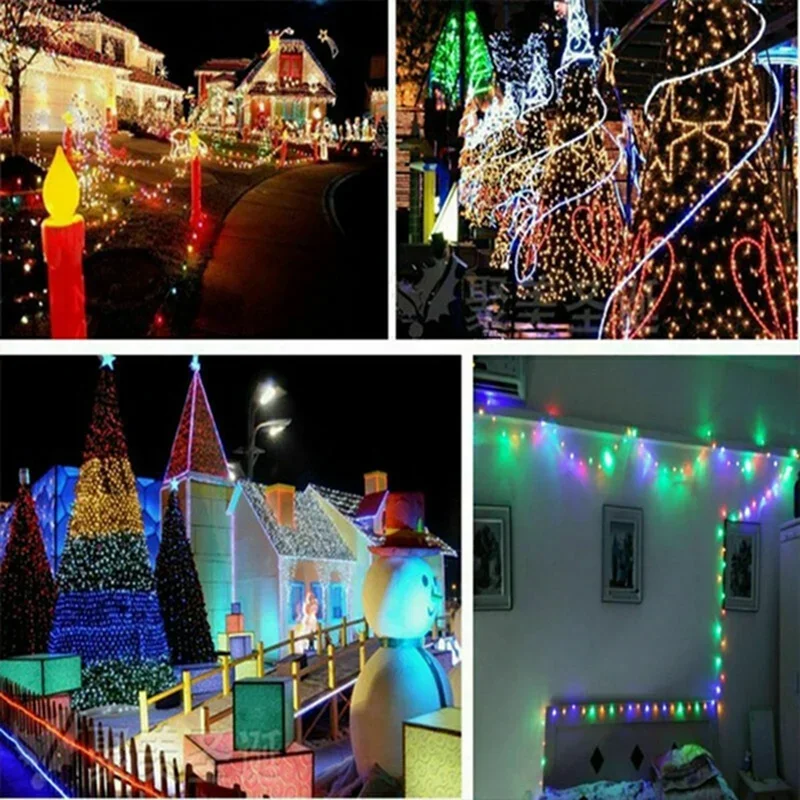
92, 754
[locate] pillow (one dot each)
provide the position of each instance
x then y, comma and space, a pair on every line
684, 768
679, 758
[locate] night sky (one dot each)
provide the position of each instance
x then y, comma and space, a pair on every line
189, 32
350, 415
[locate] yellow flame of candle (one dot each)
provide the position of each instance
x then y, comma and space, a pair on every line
61, 190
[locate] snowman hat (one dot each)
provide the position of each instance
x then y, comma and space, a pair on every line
404, 527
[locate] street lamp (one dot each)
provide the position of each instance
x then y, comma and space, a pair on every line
264, 395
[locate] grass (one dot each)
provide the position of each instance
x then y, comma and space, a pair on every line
140, 278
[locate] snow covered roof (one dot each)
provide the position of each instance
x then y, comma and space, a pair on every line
346, 502
313, 536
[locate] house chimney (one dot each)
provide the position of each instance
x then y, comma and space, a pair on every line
375, 482
280, 498
24, 477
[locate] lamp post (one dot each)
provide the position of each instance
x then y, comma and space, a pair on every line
264, 395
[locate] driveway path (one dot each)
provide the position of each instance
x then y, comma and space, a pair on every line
281, 266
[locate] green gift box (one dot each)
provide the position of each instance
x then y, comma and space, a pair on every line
263, 715
43, 674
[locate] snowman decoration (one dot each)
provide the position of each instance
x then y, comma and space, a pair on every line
401, 680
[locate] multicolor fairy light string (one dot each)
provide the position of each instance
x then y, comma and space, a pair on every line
601, 460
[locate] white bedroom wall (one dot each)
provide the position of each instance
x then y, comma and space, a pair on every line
560, 641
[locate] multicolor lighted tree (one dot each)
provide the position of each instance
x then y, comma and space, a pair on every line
27, 588
570, 231
28, 29
107, 609
709, 255
180, 594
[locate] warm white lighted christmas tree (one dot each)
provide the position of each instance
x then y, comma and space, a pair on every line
709, 254
569, 233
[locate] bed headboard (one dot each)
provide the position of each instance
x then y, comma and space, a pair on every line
617, 741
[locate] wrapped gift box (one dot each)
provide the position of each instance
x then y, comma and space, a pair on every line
234, 623
43, 674
263, 715
258, 773
432, 754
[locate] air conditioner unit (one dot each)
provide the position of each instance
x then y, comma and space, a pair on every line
503, 375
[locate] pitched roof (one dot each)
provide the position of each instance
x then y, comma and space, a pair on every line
142, 76
370, 506
346, 502
314, 534
289, 45
197, 446
224, 65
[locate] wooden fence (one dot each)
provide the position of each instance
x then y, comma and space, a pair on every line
88, 759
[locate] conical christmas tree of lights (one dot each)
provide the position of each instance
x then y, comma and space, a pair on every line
570, 237
107, 609
27, 588
490, 146
180, 595
709, 255
519, 180
444, 76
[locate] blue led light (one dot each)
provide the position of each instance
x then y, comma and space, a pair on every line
35, 764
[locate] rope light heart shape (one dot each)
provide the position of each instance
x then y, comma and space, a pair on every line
621, 317
769, 271
603, 224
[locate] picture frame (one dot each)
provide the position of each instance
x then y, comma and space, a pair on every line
491, 527
623, 534
742, 565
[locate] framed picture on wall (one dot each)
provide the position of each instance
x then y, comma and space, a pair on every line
622, 554
492, 558
742, 565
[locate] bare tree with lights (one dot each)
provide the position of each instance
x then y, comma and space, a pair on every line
29, 28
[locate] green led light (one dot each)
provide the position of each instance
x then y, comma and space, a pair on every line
680, 710
612, 711
720, 532
718, 630
608, 459
718, 663
592, 712
748, 467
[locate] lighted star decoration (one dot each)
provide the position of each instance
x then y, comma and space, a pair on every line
194, 365
736, 120
608, 58
107, 361
173, 485
326, 39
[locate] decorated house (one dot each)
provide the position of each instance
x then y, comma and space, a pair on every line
267, 547
97, 69
285, 83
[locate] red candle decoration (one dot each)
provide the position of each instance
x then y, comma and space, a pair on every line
62, 243
197, 178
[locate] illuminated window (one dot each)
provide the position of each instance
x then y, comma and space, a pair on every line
296, 597
337, 601
316, 588
291, 66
